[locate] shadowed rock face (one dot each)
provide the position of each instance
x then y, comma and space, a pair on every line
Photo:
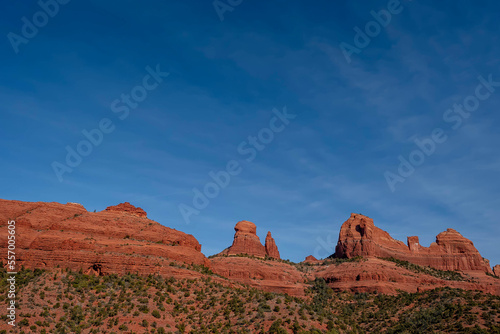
247, 242
496, 270
451, 251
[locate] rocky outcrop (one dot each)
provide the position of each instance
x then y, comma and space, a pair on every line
271, 248
267, 275
311, 259
51, 235
127, 208
247, 242
121, 239
377, 275
496, 270
451, 251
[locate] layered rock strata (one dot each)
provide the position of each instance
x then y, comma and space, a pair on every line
247, 242
451, 251
117, 240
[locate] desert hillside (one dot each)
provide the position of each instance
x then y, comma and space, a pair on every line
118, 271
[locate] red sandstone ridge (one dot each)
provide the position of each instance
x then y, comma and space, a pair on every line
117, 240
247, 242
127, 208
451, 251
372, 274
271, 248
268, 275
121, 239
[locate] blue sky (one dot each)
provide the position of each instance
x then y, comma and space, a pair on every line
353, 120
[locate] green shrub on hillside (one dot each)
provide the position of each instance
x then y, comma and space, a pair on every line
442, 274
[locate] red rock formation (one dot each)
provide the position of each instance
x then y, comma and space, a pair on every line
311, 259
451, 251
368, 275
267, 275
128, 208
50, 235
496, 270
122, 239
271, 248
247, 242
376, 275
413, 244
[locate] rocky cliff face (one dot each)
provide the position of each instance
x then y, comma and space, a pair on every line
247, 242
117, 240
451, 251
121, 239
268, 275
496, 270
373, 274
271, 248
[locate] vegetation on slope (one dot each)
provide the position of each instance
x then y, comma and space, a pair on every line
71, 302
301, 266
442, 274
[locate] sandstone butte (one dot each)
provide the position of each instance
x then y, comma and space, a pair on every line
311, 259
122, 239
119, 239
451, 251
247, 242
